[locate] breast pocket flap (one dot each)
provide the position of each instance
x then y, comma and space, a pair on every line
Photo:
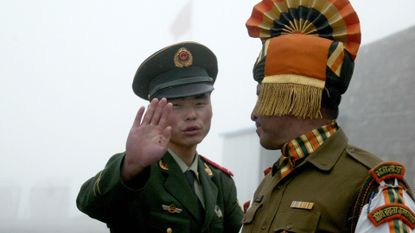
299, 221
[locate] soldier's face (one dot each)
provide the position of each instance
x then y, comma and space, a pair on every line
190, 120
273, 131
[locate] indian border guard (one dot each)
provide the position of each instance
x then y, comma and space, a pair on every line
160, 183
320, 183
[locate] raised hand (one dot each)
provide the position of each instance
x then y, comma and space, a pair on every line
148, 138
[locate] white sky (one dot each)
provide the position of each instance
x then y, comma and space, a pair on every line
66, 68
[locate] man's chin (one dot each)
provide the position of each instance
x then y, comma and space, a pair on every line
267, 145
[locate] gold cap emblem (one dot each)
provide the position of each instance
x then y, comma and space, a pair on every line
183, 58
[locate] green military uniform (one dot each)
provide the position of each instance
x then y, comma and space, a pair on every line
160, 200
326, 184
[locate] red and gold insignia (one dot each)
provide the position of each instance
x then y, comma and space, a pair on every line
389, 212
183, 58
208, 170
215, 165
163, 165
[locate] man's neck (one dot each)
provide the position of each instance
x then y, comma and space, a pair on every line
304, 126
187, 154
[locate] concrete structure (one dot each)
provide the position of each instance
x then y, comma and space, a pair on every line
378, 111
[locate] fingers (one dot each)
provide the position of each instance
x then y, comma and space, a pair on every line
150, 111
167, 133
158, 111
165, 115
138, 116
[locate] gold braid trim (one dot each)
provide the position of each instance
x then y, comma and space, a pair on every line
97, 189
290, 95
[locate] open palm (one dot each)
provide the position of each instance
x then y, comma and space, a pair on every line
148, 138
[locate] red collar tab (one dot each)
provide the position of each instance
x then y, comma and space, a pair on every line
210, 162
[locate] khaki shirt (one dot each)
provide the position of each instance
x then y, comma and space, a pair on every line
194, 168
317, 196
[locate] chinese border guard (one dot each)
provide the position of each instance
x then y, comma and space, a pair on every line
160, 183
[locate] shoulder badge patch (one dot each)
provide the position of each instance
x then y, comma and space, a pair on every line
224, 170
390, 212
388, 170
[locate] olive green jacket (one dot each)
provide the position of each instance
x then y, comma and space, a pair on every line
160, 200
317, 196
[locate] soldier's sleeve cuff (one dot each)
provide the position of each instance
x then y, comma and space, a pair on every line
137, 183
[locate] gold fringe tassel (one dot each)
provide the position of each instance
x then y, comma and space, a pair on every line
280, 99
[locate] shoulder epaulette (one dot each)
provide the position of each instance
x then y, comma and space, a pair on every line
210, 162
363, 157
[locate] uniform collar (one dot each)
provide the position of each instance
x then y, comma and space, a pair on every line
298, 149
326, 156
309, 142
183, 166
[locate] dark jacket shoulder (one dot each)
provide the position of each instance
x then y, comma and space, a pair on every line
216, 166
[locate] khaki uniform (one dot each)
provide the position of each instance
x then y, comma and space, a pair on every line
161, 201
318, 196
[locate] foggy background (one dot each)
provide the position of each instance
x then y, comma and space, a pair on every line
66, 102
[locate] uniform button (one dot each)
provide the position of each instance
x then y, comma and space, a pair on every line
169, 230
259, 198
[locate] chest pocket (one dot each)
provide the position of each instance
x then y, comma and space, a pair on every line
295, 220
